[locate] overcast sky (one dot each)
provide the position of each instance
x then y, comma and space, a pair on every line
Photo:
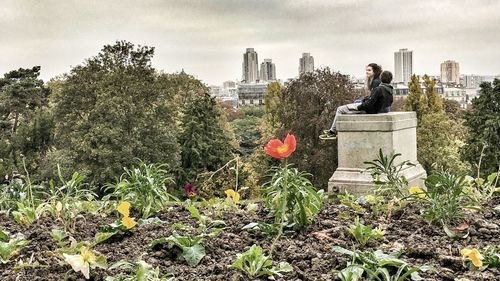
208, 38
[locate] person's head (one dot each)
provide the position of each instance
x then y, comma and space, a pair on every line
386, 77
373, 71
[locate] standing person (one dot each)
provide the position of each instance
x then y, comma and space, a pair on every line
379, 101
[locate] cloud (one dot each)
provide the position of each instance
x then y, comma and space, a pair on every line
208, 38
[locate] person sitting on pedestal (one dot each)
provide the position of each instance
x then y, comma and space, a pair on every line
379, 101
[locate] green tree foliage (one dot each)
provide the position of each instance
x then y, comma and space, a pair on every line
483, 122
25, 126
247, 132
113, 109
272, 103
204, 140
308, 105
438, 136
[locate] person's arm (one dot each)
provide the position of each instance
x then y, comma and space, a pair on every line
368, 104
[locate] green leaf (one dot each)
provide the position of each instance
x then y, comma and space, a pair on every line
103, 236
193, 254
101, 262
4, 236
351, 273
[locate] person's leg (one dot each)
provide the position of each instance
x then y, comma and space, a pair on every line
351, 108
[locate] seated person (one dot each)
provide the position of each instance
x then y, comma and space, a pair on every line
379, 101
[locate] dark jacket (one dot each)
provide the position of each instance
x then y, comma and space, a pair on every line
380, 100
375, 83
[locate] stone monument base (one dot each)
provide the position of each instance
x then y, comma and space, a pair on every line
360, 182
359, 139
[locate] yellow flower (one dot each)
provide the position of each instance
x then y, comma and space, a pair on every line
81, 262
128, 222
473, 255
233, 195
415, 190
124, 208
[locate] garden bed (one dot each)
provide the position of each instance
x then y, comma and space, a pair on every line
309, 251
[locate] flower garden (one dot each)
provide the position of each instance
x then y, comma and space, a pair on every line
139, 231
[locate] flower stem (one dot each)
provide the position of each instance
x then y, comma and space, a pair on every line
284, 197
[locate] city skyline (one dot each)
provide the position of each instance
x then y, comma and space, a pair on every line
207, 38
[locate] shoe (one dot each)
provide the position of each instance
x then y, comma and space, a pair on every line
327, 137
331, 133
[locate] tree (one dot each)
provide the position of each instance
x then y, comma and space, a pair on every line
205, 145
438, 137
113, 109
483, 121
307, 107
24, 126
272, 103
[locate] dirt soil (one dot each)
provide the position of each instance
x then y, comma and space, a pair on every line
308, 251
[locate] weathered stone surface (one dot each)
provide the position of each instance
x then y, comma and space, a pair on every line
360, 136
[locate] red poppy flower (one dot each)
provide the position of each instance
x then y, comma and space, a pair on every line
279, 150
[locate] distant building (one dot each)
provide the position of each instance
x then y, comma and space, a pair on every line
250, 66
450, 72
306, 63
403, 66
456, 94
251, 94
267, 70
471, 81
229, 84
215, 91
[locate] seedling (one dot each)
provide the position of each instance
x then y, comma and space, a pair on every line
255, 264
10, 245
192, 249
363, 233
375, 265
138, 271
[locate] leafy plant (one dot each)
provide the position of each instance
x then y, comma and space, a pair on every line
255, 264
65, 201
28, 214
192, 249
10, 245
61, 237
139, 271
145, 187
483, 190
269, 229
446, 198
385, 174
291, 198
375, 265
363, 233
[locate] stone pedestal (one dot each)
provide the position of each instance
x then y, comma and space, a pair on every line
360, 136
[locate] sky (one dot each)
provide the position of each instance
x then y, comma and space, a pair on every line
207, 38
